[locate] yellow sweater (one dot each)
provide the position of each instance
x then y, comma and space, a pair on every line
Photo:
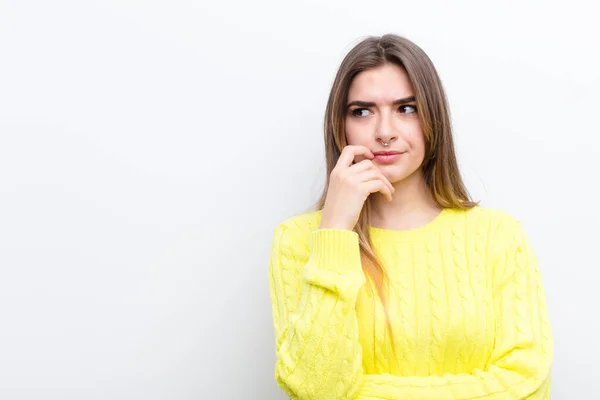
466, 305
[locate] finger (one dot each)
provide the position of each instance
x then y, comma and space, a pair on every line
377, 185
350, 152
387, 181
367, 176
381, 176
364, 165
368, 166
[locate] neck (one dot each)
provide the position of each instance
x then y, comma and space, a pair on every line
412, 206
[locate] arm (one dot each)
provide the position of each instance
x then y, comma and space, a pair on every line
519, 367
314, 281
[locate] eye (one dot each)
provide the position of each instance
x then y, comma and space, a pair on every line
414, 109
357, 112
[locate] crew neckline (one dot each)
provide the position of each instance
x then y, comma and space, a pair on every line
410, 234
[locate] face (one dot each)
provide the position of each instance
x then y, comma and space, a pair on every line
375, 115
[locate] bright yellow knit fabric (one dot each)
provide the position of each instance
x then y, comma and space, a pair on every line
466, 305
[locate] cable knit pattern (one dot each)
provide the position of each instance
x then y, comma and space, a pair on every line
466, 303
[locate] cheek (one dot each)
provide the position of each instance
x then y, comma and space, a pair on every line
353, 136
416, 140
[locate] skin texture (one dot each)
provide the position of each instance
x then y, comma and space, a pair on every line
412, 204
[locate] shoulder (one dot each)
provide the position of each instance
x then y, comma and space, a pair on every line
294, 232
503, 231
498, 227
303, 223
492, 220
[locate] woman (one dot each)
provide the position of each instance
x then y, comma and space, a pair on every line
398, 285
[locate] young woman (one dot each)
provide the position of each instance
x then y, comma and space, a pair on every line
398, 285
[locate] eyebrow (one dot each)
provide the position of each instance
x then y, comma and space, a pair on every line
371, 104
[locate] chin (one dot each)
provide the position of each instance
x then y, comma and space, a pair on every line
397, 176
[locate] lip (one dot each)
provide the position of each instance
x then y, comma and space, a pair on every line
386, 157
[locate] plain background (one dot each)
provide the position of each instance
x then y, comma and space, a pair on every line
148, 149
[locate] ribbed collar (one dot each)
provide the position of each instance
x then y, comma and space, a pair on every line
431, 228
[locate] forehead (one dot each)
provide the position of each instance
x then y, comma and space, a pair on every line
382, 84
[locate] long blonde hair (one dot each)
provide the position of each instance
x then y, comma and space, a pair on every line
440, 168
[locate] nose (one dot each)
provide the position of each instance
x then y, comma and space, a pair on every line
385, 130
386, 142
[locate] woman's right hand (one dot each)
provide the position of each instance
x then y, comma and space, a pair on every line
349, 187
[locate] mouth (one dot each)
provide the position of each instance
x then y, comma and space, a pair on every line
386, 157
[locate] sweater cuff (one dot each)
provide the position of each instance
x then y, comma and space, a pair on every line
334, 262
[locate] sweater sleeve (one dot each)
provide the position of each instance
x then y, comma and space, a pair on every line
314, 281
519, 367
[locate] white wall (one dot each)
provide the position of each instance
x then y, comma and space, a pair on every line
148, 149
